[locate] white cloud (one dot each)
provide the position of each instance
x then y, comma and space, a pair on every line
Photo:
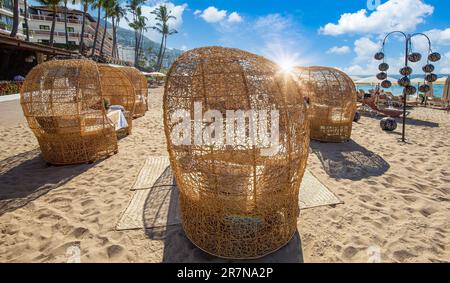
176, 10
365, 49
272, 23
447, 55
339, 50
392, 15
445, 71
234, 17
439, 37
213, 15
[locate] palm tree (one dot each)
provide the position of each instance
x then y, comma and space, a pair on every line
65, 22
53, 5
162, 16
117, 13
27, 30
166, 31
86, 4
15, 26
107, 6
138, 24
96, 5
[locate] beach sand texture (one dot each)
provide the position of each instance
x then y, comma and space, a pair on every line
396, 197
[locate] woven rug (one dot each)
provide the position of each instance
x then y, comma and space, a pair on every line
157, 206
152, 170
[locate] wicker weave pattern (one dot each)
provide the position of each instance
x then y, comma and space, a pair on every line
141, 90
332, 97
118, 90
235, 202
63, 104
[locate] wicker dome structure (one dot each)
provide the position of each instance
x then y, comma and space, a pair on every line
236, 199
117, 89
63, 103
141, 90
332, 97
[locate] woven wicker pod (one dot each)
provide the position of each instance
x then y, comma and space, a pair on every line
63, 104
332, 96
118, 90
141, 90
236, 201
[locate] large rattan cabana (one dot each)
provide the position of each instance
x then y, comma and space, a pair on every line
118, 90
141, 90
332, 96
63, 104
238, 198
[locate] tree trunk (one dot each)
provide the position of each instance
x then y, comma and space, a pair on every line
164, 53
16, 12
65, 24
104, 34
136, 48
115, 32
113, 52
96, 32
27, 30
52, 31
160, 52
85, 9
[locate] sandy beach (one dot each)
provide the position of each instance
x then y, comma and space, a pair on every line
396, 196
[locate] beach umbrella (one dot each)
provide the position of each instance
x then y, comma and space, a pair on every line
373, 81
19, 78
155, 74
417, 81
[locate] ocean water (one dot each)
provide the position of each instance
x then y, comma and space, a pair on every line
398, 90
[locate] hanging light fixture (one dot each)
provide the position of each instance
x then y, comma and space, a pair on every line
406, 71
379, 56
434, 57
424, 88
428, 68
383, 67
431, 78
382, 76
414, 57
404, 81
386, 84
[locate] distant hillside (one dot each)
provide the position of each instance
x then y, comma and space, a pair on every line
126, 37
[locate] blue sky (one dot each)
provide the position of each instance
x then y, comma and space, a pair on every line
340, 33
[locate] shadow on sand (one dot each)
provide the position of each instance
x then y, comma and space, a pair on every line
26, 176
349, 160
178, 248
409, 121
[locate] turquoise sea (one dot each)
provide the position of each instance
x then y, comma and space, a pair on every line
398, 90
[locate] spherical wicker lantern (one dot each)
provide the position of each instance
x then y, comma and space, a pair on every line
332, 97
388, 124
118, 90
63, 103
238, 199
141, 90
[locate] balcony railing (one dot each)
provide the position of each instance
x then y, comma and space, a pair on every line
58, 19
61, 33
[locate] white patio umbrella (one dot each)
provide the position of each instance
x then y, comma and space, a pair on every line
417, 81
373, 81
154, 74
